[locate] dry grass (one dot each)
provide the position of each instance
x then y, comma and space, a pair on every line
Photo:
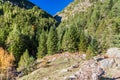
58, 68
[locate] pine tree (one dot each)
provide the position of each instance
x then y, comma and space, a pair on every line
2, 37
42, 49
15, 43
83, 42
93, 48
52, 42
116, 41
110, 4
89, 52
69, 42
25, 61
61, 32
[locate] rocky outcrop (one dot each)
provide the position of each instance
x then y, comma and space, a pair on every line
112, 60
99, 66
74, 67
113, 53
88, 71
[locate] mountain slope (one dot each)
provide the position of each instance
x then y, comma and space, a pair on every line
89, 27
68, 66
24, 24
74, 8
98, 22
98, 19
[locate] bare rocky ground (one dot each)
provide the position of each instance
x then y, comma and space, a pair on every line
68, 66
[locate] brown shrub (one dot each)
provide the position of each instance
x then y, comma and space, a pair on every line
6, 59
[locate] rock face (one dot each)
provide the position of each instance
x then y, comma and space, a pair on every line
113, 53
113, 59
106, 63
97, 67
89, 71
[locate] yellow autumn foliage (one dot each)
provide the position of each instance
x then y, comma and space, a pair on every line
6, 59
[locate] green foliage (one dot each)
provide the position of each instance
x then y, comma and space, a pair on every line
69, 42
93, 49
84, 41
101, 21
25, 62
52, 41
15, 44
42, 48
2, 37
20, 26
116, 40
61, 32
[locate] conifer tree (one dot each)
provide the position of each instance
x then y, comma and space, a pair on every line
69, 42
25, 61
2, 37
116, 41
110, 4
93, 48
61, 32
83, 42
15, 44
52, 41
42, 48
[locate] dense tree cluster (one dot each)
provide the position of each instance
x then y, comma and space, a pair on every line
32, 33
23, 29
99, 23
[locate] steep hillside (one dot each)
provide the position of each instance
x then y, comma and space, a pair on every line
99, 19
89, 27
21, 24
20, 3
39, 45
74, 8
55, 67
68, 66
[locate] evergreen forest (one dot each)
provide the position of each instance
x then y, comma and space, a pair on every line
28, 33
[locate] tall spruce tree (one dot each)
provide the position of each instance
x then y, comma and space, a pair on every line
69, 42
42, 48
15, 43
52, 41
83, 42
93, 48
25, 61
